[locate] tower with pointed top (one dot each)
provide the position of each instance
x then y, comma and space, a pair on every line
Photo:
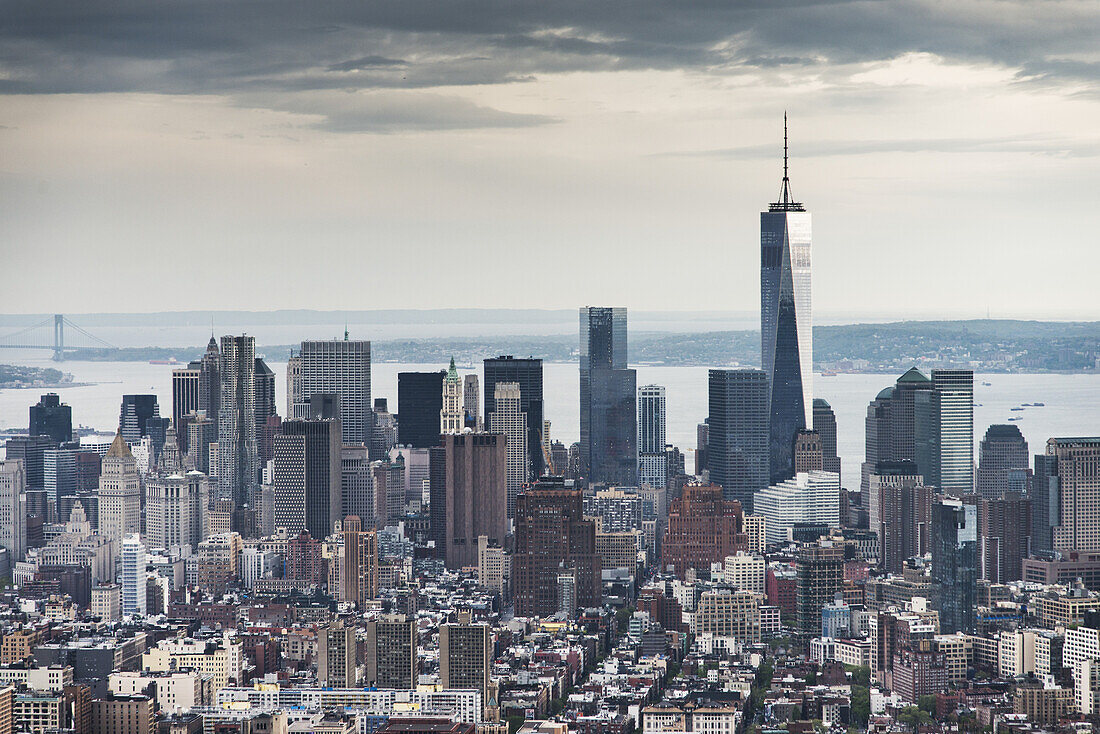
451, 417
786, 322
119, 493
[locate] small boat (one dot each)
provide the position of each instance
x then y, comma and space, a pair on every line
828, 373
987, 384
173, 360
1039, 405
1015, 408
1015, 418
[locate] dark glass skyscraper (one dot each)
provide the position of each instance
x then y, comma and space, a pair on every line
1001, 453
528, 373
609, 432
737, 452
825, 425
786, 322
419, 403
136, 410
50, 417
955, 562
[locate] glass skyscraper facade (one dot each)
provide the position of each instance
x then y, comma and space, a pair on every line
652, 459
737, 452
527, 373
786, 323
955, 562
609, 433
953, 395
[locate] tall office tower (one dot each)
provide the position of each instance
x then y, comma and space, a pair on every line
528, 374
825, 425
293, 381
953, 403
702, 446
703, 528
59, 473
202, 432
552, 536
156, 430
136, 410
31, 450
466, 654
609, 431
356, 485
471, 401
508, 418
360, 562
238, 449
265, 406
417, 472
878, 441
900, 512
174, 510
786, 322
307, 476
388, 482
911, 391
652, 458
737, 452
1074, 464
119, 493
336, 656
901, 426
13, 509
343, 368
808, 454
452, 419
185, 392
1000, 454
134, 576
419, 403
210, 381
1004, 536
391, 652
50, 417
1045, 503
472, 500
955, 562
384, 434
820, 575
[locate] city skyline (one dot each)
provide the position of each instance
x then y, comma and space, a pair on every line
375, 151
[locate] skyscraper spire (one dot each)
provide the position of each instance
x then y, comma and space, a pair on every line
786, 201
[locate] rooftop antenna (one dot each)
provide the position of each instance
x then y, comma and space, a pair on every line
345, 331
786, 201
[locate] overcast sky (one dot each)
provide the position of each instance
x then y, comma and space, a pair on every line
358, 154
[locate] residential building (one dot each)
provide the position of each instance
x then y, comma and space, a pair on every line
466, 654
652, 457
955, 562
391, 652
238, 456
808, 497
337, 666
703, 528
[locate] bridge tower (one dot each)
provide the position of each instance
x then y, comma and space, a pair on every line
58, 337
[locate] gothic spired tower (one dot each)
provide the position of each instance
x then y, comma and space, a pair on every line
786, 322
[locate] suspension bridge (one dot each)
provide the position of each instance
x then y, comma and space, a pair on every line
50, 333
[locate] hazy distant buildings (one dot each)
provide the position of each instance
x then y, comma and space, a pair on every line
609, 431
419, 404
737, 448
527, 373
471, 401
652, 455
786, 322
1002, 462
342, 368
238, 449
509, 419
50, 417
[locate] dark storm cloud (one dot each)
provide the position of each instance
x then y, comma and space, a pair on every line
236, 47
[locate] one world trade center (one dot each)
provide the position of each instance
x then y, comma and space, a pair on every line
786, 322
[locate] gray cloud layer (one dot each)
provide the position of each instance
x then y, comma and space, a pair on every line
269, 52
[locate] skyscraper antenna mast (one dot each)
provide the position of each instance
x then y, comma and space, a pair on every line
786, 202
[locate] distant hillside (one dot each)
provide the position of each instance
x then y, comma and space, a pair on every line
991, 346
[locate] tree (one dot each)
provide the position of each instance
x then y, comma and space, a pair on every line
928, 703
913, 717
861, 705
861, 674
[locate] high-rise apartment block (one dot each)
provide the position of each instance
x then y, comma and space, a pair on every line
552, 536
900, 512
337, 663
703, 528
955, 562
820, 575
360, 562
953, 403
391, 652
134, 576
238, 467
466, 654
527, 373
468, 494
609, 433
737, 433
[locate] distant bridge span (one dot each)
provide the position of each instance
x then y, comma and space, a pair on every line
50, 334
